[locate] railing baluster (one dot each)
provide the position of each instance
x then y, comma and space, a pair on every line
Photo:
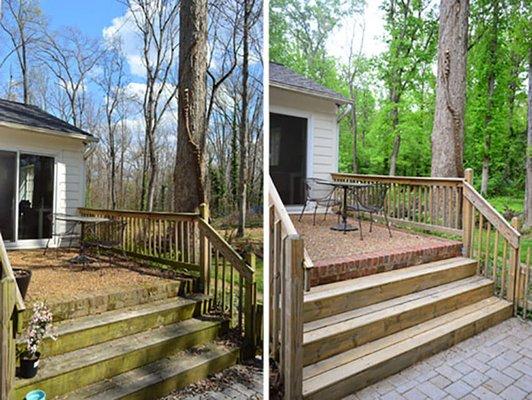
486, 256
503, 272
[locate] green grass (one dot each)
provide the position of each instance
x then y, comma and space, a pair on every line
502, 203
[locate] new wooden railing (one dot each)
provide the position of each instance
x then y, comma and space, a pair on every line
433, 204
187, 241
493, 241
11, 304
287, 284
453, 206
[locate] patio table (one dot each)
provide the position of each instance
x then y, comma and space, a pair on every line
343, 226
84, 222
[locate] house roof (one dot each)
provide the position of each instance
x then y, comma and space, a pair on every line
284, 78
32, 117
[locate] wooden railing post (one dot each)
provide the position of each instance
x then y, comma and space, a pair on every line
514, 266
204, 253
249, 310
467, 210
293, 286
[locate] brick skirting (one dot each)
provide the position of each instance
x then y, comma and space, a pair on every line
355, 266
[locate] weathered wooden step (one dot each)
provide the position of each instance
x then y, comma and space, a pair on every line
332, 335
67, 372
161, 377
335, 334
345, 373
325, 300
74, 334
93, 304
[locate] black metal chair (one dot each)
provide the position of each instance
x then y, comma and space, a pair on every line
68, 232
106, 236
371, 200
319, 193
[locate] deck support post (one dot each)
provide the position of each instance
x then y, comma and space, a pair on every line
204, 253
514, 268
466, 216
292, 346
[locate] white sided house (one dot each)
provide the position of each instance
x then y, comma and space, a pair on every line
304, 132
42, 172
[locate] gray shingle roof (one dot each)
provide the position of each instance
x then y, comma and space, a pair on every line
32, 116
284, 77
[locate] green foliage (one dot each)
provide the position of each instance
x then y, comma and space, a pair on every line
402, 79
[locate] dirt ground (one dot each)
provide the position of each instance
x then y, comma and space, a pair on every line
54, 279
322, 243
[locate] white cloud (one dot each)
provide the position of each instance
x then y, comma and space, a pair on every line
124, 27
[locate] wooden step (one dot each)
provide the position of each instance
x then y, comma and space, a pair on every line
161, 377
325, 300
87, 331
335, 334
66, 372
345, 373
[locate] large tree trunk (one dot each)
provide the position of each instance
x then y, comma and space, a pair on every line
189, 174
243, 131
448, 130
354, 163
528, 193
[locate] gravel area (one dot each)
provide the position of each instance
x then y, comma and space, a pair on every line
55, 280
238, 382
322, 243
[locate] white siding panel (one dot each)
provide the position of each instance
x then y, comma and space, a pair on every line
69, 164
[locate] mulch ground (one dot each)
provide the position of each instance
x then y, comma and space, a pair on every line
54, 279
238, 382
322, 243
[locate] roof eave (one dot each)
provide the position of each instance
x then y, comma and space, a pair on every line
72, 135
338, 100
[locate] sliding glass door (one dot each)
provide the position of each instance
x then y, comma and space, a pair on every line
8, 177
35, 197
26, 206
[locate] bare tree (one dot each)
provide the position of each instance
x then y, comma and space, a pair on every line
189, 173
22, 22
70, 56
156, 22
448, 131
113, 83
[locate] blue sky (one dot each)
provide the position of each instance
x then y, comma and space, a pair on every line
90, 16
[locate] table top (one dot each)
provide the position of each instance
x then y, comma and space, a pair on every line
347, 184
82, 219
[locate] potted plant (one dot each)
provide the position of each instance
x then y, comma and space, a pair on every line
39, 326
23, 278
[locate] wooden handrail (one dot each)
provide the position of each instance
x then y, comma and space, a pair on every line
492, 215
276, 201
7, 271
144, 214
410, 180
225, 249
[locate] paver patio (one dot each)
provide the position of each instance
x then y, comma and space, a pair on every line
496, 364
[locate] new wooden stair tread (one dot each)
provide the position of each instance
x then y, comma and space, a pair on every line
153, 379
339, 297
383, 278
394, 307
65, 370
356, 368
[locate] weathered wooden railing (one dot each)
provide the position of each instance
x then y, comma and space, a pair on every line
187, 241
11, 304
433, 204
287, 284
